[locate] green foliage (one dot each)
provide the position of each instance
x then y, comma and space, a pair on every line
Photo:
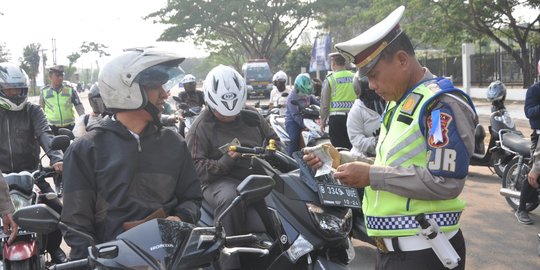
88, 47
252, 28
30, 63
296, 60
4, 53
73, 57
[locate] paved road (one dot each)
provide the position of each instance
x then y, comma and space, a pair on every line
495, 240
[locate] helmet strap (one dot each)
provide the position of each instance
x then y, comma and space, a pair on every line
154, 112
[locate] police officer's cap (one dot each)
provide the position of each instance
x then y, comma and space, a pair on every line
365, 49
337, 56
57, 69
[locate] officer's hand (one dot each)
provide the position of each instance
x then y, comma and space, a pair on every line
355, 174
9, 224
323, 126
58, 167
532, 177
311, 160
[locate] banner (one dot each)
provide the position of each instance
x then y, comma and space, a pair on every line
319, 53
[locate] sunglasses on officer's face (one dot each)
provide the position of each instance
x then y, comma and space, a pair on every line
59, 74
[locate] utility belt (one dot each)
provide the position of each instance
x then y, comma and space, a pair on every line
406, 243
339, 113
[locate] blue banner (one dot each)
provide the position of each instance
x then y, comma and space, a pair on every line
319, 53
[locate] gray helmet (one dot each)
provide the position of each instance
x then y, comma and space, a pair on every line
120, 80
13, 77
496, 91
94, 98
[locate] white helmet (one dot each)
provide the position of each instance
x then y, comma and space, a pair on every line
188, 79
280, 76
225, 91
12, 76
120, 79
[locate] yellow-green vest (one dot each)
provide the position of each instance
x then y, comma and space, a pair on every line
402, 144
342, 95
58, 107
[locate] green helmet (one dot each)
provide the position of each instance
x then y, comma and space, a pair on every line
303, 85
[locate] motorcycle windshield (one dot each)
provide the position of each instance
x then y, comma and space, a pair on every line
159, 238
22, 181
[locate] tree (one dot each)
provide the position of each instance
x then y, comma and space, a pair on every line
296, 60
4, 53
498, 21
89, 47
72, 58
258, 27
30, 63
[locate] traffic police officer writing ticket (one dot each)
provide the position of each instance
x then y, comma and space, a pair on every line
422, 156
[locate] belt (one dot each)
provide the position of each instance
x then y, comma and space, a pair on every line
405, 243
339, 113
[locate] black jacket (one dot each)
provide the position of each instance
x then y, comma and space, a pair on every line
110, 178
532, 105
21, 133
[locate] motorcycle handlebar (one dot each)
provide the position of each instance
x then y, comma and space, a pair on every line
246, 150
77, 264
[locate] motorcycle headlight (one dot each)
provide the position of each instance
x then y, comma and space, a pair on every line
330, 224
299, 248
20, 201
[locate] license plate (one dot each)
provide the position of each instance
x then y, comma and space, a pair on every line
338, 195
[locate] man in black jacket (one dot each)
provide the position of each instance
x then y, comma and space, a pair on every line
127, 167
23, 129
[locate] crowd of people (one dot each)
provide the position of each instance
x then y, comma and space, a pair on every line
123, 167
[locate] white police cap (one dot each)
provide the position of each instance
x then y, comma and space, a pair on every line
365, 49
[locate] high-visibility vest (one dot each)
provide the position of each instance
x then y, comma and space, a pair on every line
402, 144
58, 106
342, 95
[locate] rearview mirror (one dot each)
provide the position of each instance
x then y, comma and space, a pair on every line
255, 187
67, 132
37, 218
60, 142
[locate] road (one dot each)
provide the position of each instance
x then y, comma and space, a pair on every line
495, 240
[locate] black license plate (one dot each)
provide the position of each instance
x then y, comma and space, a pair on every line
337, 195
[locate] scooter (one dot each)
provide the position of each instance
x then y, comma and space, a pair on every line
188, 115
495, 156
25, 189
159, 243
313, 214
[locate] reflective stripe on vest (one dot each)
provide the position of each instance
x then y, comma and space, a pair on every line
58, 106
401, 143
342, 95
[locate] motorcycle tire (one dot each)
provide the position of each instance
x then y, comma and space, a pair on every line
19, 265
510, 181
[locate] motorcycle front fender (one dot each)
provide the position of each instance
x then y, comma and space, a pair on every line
20, 251
323, 263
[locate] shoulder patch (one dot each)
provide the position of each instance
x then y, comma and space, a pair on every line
443, 122
433, 86
411, 103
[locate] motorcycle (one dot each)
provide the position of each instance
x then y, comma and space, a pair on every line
311, 217
159, 243
188, 115
495, 156
311, 136
517, 169
27, 251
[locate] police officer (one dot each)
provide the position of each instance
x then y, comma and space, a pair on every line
423, 152
337, 98
58, 99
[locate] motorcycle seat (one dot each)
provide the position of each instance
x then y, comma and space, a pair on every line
517, 143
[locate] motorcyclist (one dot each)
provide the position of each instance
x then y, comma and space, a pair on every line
85, 122
128, 168
190, 96
278, 96
223, 121
23, 129
363, 123
294, 122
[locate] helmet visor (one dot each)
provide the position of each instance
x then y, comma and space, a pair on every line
161, 75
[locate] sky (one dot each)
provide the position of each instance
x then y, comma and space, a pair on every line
114, 23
